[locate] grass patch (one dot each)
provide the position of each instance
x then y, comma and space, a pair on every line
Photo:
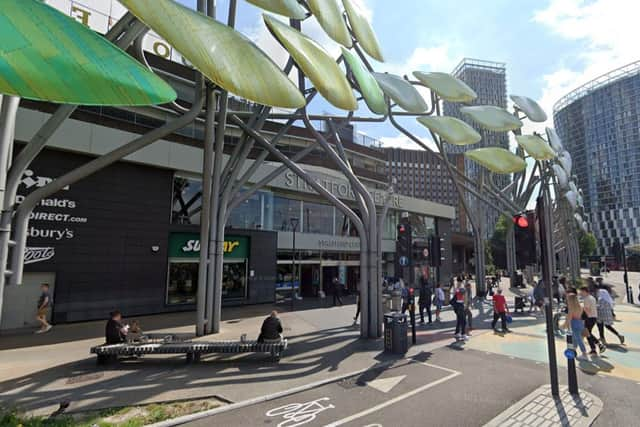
130, 416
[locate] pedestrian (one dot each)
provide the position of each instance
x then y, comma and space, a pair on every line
115, 332
574, 320
271, 329
538, 294
438, 301
468, 299
355, 318
500, 311
426, 294
605, 315
337, 291
457, 302
590, 318
45, 302
405, 297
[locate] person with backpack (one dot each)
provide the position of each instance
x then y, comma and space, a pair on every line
425, 299
457, 302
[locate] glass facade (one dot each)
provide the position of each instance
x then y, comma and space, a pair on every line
600, 126
268, 211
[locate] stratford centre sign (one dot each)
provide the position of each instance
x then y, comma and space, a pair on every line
339, 188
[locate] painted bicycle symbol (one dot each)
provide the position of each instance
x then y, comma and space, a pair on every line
297, 414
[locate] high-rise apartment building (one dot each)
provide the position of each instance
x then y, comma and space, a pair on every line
599, 124
489, 80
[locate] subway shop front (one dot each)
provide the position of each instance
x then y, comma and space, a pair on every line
249, 268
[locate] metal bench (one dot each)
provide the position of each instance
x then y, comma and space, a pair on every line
193, 350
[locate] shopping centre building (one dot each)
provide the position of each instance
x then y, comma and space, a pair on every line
127, 237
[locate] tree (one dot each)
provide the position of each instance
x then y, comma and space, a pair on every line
587, 243
498, 241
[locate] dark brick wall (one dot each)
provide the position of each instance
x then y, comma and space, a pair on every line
108, 262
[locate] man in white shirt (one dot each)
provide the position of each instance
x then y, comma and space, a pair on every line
590, 319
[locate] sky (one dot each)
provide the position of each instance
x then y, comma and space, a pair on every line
550, 47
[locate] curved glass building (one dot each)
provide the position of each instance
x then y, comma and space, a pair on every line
599, 124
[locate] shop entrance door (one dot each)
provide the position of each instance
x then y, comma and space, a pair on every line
310, 280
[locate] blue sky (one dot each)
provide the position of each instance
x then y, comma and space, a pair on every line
550, 46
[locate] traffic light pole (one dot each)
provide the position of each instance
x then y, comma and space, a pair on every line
546, 250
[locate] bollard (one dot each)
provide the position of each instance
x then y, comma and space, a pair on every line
570, 353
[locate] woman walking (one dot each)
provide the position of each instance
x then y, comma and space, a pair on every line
574, 319
605, 314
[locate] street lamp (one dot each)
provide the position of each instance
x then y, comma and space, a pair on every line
294, 226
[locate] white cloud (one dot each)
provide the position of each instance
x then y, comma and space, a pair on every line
437, 58
609, 31
401, 141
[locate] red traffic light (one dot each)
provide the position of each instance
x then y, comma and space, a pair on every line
401, 228
521, 221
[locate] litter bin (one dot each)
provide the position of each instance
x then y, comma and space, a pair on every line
395, 333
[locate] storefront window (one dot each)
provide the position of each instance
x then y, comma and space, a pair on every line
318, 218
284, 209
184, 253
187, 200
183, 283
390, 224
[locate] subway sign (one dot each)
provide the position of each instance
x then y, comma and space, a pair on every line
187, 245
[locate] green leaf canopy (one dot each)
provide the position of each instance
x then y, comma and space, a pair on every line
451, 130
363, 30
327, 77
369, 87
48, 56
288, 8
497, 160
225, 56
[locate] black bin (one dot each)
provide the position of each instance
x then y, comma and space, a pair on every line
395, 333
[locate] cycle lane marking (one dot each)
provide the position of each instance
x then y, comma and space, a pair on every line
452, 374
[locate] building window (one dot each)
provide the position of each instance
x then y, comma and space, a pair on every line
283, 210
318, 218
187, 200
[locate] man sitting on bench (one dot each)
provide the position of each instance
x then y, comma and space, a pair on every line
115, 332
271, 329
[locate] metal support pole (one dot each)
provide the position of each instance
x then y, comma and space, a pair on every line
207, 175
572, 376
8, 113
546, 248
357, 222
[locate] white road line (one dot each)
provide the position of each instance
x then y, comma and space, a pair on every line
397, 399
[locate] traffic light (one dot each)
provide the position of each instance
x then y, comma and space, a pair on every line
435, 251
525, 234
403, 242
404, 249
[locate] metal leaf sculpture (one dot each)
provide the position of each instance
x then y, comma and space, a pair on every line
329, 16
497, 160
288, 8
225, 56
362, 30
369, 87
536, 147
401, 92
531, 108
452, 130
317, 65
446, 86
554, 140
47, 56
561, 175
493, 118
